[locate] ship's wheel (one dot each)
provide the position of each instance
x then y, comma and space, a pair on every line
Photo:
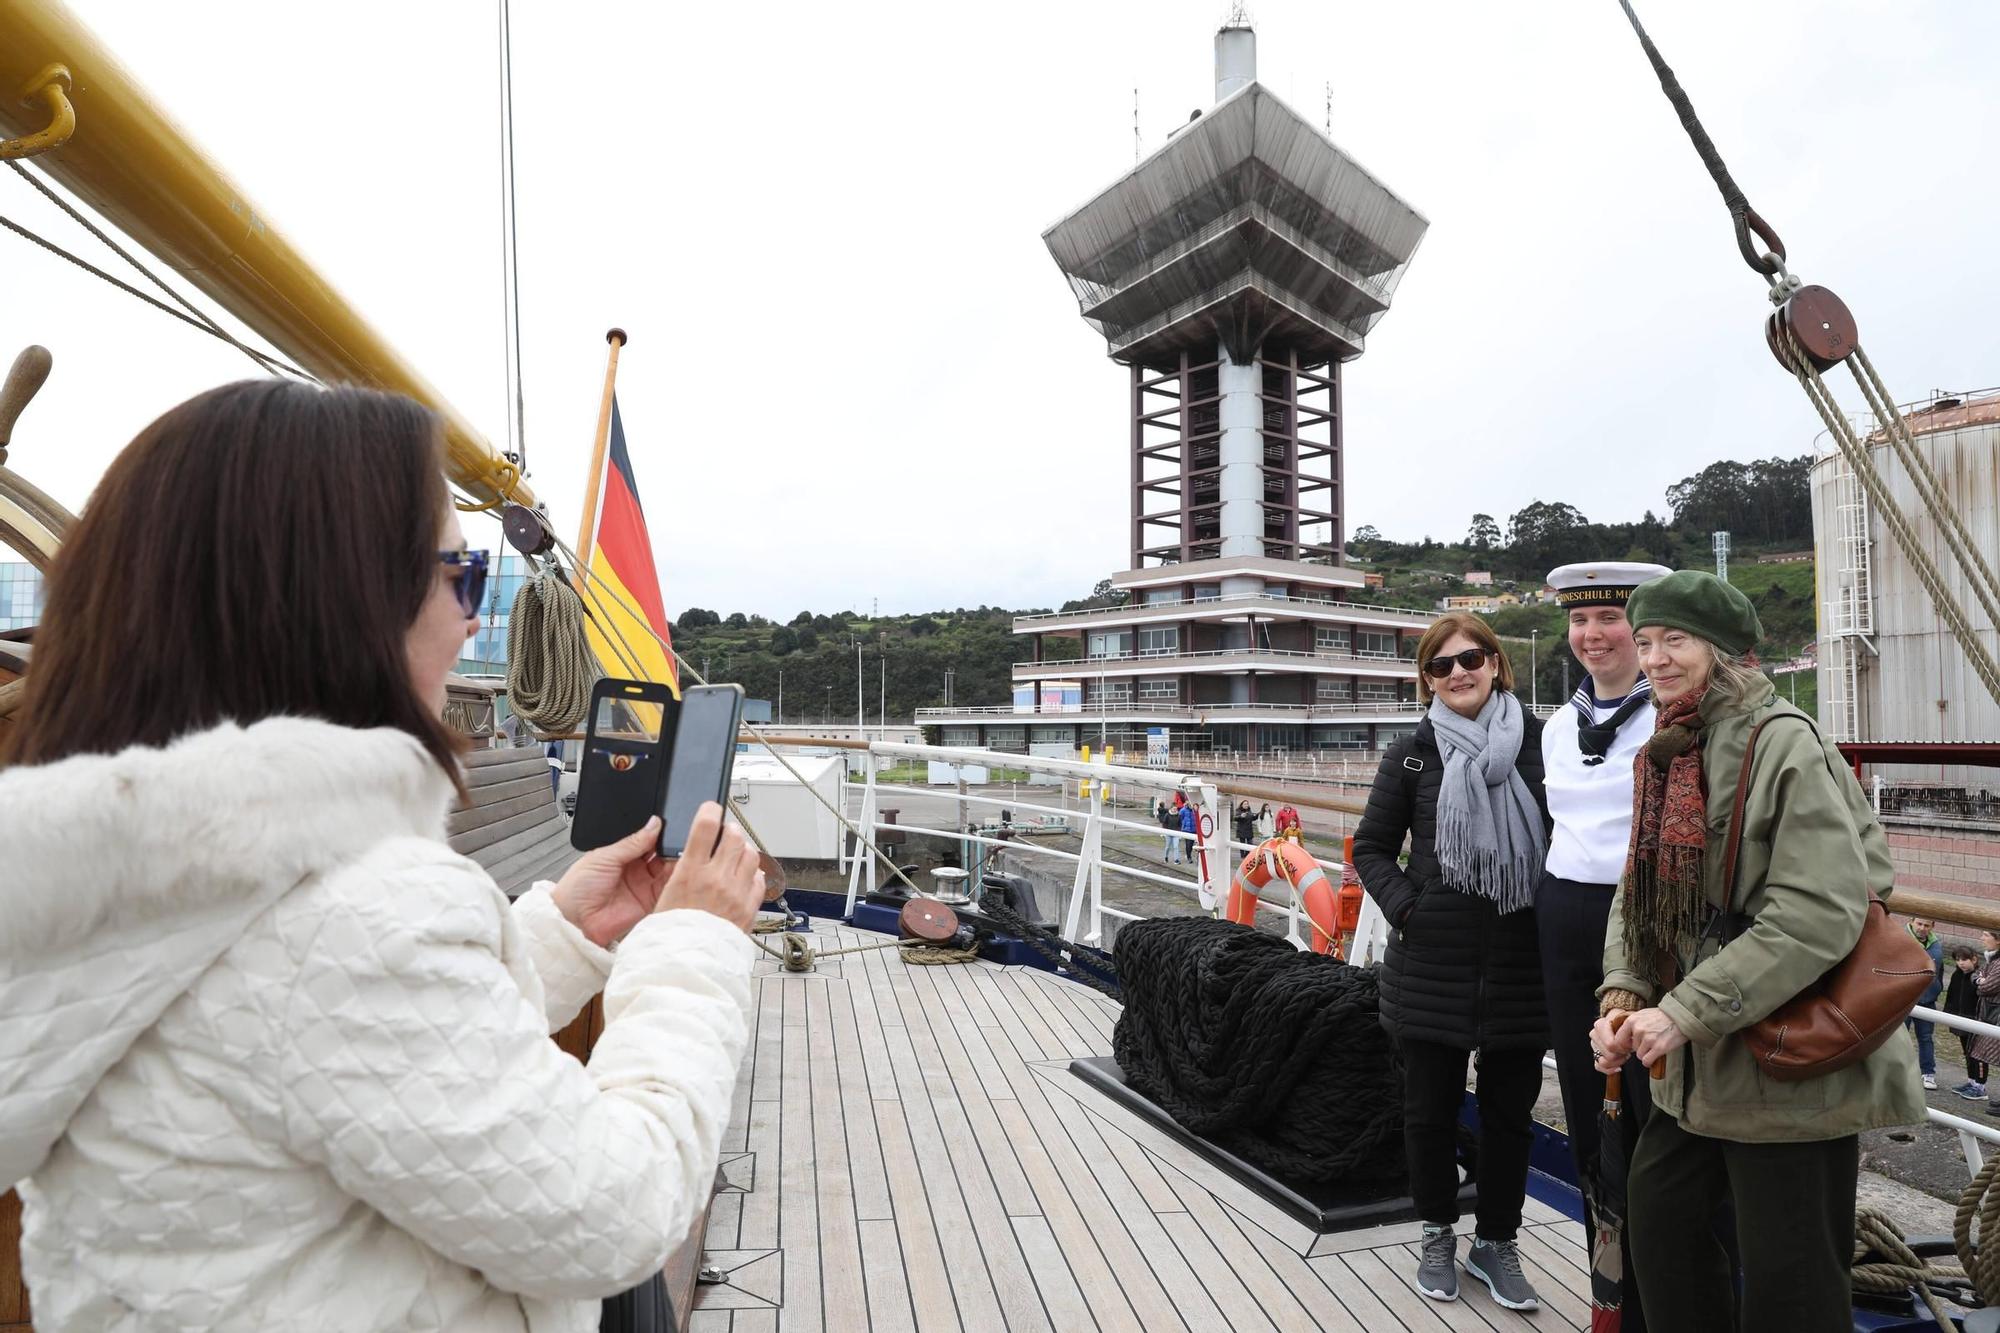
30, 521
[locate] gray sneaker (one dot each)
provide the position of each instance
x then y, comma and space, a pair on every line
1497, 1263
1437, 1275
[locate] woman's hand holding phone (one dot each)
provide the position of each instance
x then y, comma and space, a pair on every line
725, 881
608, 891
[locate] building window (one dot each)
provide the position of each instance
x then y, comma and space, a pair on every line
1331, 640
1053, 736
1409, 645
1167, 690
1283, 738
1278, 591
1162, 596
1012, 739
1106, 693
1207, 591
1375, 643
1161, 641
1340, 738
1109, 643
1333, 690
1376, 692
964, 738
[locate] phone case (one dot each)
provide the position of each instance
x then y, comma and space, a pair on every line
626, 749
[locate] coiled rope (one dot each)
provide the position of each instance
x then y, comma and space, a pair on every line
1276, 1054
1885, 1265
550, 668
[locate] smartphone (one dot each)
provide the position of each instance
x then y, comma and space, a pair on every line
623, 771
703, 755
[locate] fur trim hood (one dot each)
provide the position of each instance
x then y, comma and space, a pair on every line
126, 876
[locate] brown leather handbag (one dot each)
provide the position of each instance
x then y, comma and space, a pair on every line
1843, 1017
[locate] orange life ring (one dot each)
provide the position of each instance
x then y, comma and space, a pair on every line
1286, 859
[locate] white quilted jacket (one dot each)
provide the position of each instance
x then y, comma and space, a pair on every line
272, 1056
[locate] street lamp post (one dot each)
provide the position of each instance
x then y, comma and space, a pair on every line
1534, 691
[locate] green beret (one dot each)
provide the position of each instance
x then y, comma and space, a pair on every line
1701, 604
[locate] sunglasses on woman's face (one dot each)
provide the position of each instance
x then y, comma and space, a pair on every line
469, 578
1471, 659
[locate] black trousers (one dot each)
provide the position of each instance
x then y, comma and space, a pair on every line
1570, 918
1794, 1209
1433, 1090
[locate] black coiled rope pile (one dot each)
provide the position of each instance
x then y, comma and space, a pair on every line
1275, 1054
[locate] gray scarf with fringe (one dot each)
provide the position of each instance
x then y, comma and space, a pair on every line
1489, 829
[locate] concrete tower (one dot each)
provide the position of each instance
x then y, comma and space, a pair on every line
1234, 270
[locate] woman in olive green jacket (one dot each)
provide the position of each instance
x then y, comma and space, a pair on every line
1784, 1153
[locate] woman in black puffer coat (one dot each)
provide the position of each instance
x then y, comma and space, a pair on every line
1463, 970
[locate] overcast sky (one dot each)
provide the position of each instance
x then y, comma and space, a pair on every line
855, 373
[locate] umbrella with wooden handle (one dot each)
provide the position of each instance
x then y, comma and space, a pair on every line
1604, 1184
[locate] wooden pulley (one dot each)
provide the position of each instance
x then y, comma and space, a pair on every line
1822, 324
774, 876
929, 920
527, 530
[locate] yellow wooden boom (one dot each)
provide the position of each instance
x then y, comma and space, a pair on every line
139, 171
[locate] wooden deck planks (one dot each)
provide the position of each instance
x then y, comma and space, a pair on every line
798, 1165
842, 1292
911, 1140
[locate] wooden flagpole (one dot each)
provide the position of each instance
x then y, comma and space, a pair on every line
586, 536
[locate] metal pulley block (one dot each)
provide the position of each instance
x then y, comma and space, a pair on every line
1820, 322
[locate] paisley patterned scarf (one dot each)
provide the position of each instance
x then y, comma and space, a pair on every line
1663, 899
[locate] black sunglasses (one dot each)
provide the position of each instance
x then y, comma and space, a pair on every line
1471, 659
470, 581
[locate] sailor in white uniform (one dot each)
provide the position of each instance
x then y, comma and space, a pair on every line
1588, 748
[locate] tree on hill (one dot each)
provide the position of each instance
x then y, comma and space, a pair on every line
1484, 534
1104, 594
696, 618
784, 642
1768, 500
737, 620
1545, 534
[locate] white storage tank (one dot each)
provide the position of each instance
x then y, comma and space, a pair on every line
1889, 667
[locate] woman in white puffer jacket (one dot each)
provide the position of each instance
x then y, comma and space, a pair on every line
271, 1054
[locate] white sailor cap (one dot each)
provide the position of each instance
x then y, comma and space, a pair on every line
1601, 582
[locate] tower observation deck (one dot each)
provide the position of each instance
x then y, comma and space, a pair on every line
1234, 270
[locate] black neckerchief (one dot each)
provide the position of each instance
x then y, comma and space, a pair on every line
1594, 738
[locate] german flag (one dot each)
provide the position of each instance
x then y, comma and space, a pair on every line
626, 611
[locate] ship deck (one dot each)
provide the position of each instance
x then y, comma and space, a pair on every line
908, 1150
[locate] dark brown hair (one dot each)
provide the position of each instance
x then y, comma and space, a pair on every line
1472, 627
259, 551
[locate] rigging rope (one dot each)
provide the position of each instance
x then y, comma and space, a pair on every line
1741, 214
197, 317
862, 837
795, 953
1856, 453
1985, 586
550, 668
1076, 961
